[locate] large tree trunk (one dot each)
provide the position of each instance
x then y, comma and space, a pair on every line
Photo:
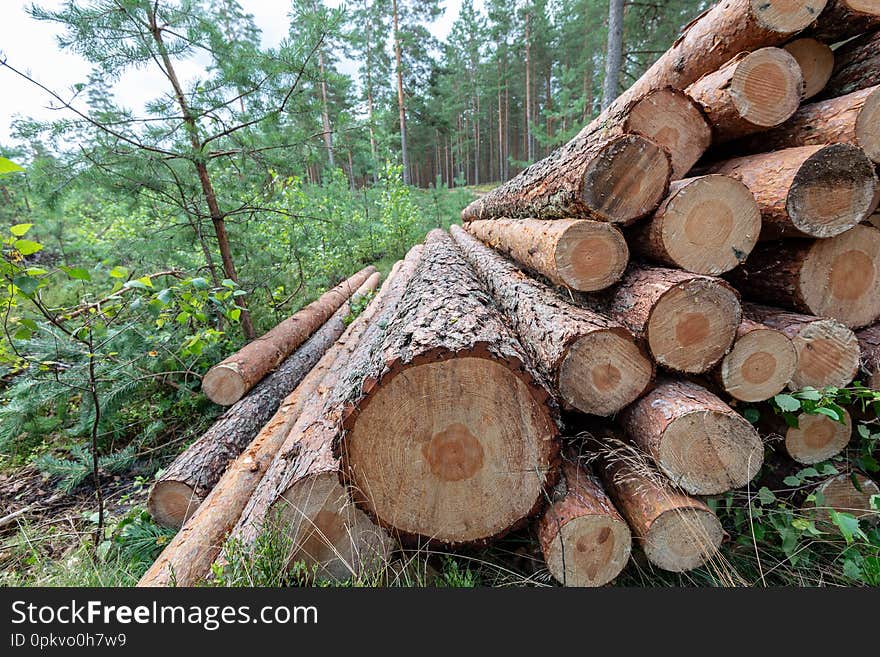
696, 439
837, 277
869, 344
444, 406
856, 66
677, 532
842, 19
809, 191
816, 60
761, 363
182, 487
750, 93
613, 52
585, 541
230, 379
577, 253
828, 352
689, 321
707, 225
592, 362
850, 119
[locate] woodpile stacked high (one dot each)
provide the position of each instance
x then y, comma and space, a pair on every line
708, 240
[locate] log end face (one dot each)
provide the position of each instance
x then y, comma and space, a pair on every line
604, 371
828, 355
817, 437
759, 366
767, 86
786, 16
816, 60
682, 539
842, 495
591, 256
171, 503
224, 385
593, 548
868, 126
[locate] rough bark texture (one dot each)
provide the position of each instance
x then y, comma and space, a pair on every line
842, 19
753, 91
848, 493
856, 66
688, 321
850, 119
808, 191
869, 344
762, 362
472, 462
190, 477
828, 352
837, 277
592, 362
706, 225
229, 380
585, 541
677, 532
816, 60
696, 439
581, 254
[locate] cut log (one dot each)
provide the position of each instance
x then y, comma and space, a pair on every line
229, 380
842, 19
837, 277
856, 66
851, 119
816, 60
817, 437
689, 321
696, 439
828, 352
592, 362
848, 493
450, 435
677, 532
577, 253
762, 362
585, 541
750, 93
707, 225
186, 482
300, 498
809, 191
618, 180
869, 344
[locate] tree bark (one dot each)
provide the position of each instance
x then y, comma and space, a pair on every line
706, 225
696, 440
837, 277
762, 362
401, 101
808, 191
828, 352
689, 321
842, 19
613, 52
229, 380
585, 541
750, 93
581, 254
442, 404
816, 60
325, 113
869, 344
856, 66
593, 363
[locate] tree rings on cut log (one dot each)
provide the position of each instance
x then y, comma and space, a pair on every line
172, 502
585, 541
816, 60
817, 437
696, 439
707, 225
760, 365
848, 493
785, 16
671, 119
578, 253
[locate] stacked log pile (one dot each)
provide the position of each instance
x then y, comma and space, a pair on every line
707, 241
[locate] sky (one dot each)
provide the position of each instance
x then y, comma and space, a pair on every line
31, 46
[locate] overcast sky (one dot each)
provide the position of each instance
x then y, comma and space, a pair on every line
30, 45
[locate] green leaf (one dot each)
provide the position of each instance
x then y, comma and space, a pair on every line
27, 247
165, 296
20, 230
137, 284
847, 524
787, 403
146, 281
864, 432
751, 414
8, 166
791, 481
829, 412
200, 283
809, 393
27, 285
766, 495
119, 272
77, 274
234, 314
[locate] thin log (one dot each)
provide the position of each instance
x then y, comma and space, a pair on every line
760, 365
850, 493
816, 60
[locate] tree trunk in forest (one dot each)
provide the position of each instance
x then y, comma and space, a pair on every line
856, 66
869, 344
750, 93
689, 321
592, 362
446, 396
696, 440
808, 191
816, 60
841, 494
585, 541
530, 148
578, 253
370, 109
842, 19
707, 225
837, 277
828, 352
849, 119
229, 380
401, 102
613, 52
325, 112
760, 364
677, 532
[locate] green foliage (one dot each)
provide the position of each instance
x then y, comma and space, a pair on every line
71, 472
